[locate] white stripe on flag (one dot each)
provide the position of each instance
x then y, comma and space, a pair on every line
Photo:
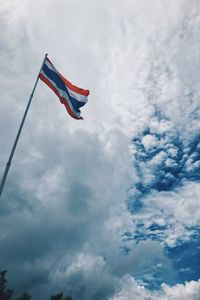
62, 94
78, 97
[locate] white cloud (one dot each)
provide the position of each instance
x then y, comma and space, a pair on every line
178, 210
130, 289
190, 290
149, 141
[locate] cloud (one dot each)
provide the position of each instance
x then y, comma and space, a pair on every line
91, 204
51, 225
130, 288
166, 192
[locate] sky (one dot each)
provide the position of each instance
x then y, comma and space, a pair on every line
107, 208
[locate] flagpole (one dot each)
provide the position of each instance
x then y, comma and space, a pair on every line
19, 132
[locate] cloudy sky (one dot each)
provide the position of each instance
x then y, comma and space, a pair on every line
107, 208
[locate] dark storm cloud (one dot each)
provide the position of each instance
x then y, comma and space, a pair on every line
50, 224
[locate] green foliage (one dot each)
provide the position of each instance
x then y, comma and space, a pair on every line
60, 296
5, 293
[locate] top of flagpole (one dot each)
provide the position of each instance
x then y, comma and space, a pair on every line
45, 57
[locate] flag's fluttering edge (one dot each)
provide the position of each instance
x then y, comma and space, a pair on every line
70, 95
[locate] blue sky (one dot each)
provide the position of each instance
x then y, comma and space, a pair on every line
107, 208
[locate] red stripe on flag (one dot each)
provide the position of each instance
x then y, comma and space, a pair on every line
71, 86
62, 99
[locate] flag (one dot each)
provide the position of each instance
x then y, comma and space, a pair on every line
70, 95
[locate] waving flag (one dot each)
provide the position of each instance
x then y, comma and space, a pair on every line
70, 95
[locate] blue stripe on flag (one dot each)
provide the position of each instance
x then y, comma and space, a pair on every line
60, 85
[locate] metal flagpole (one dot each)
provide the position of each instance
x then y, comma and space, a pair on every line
19, 132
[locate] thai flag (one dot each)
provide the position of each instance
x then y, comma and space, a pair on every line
70, 95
